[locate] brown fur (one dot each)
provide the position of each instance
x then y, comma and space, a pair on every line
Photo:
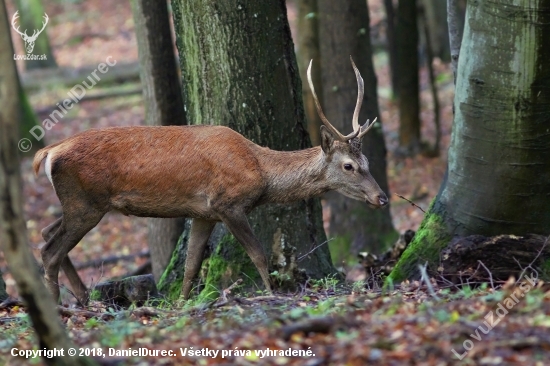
210, 173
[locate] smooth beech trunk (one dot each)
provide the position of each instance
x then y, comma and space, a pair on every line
498, 176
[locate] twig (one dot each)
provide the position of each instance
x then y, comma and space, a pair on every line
411, 202
10, 303
424, 277
314, 249
235, 284
534, 260
489, 272
225, 292
85, 313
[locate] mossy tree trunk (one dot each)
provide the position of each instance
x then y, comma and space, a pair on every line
40, 304
31, 15
498, 175
163, 107
344, 31
239, 70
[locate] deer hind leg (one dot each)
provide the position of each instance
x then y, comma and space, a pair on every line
240, 228
72, 228
200, 232
49, 230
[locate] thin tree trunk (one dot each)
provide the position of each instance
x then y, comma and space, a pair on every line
239, 70
308, 49
435, 13
344, 31
455, 34
498, 175
163, 106
3, 293
40, 305
392, 46
409, 98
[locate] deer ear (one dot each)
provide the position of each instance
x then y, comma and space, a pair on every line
327, 140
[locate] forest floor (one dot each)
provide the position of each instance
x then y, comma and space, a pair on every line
340, 324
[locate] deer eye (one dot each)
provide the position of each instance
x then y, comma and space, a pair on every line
348, 167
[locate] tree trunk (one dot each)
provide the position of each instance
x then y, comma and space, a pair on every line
435, 12
3, 293
392, 45
344, 30
39, 302
163, 106
239, 70
498, 175
31, 17
308, 49
409, 102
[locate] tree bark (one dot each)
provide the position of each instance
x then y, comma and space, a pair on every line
163, 106
41, 307
3, 293
308, 49
344, 30
239, 70
435, 12
498, 175
409, 98
392, 45
31, 16
455, 34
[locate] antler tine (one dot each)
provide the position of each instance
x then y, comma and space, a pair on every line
366, 128
327, 124
360, 93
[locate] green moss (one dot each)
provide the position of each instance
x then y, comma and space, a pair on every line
171, 281
430, 239
95, 295
229, 263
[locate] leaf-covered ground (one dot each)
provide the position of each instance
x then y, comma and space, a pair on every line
339, 326
328, 324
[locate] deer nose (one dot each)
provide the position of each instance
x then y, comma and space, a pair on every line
382, 200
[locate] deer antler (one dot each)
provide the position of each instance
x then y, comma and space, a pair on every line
13, 21
360, 93
327, 124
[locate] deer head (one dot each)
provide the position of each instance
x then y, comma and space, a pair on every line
29, 40
348, 168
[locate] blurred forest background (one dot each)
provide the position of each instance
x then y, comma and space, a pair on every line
83, 33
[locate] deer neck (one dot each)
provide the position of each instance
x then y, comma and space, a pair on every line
293, 175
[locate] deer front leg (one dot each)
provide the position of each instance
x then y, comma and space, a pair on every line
240, 228
200, 232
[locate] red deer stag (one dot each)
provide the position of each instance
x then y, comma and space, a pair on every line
208, 173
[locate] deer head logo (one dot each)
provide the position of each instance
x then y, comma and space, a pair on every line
29, 40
